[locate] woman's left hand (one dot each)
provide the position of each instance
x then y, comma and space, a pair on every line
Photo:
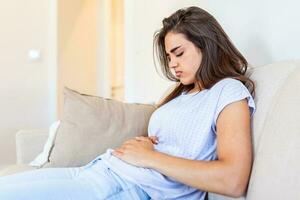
136, 151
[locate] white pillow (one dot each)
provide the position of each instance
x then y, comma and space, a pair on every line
42, 158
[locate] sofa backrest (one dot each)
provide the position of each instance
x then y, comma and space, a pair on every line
275, 133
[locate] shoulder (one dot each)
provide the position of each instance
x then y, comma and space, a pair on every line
228, 86
231, 90
229, 83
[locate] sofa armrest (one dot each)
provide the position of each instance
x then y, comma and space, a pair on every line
29, 143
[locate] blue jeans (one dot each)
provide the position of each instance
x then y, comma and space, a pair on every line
93, 181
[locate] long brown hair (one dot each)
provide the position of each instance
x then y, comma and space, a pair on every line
220, 58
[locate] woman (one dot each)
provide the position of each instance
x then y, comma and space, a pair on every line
198, 139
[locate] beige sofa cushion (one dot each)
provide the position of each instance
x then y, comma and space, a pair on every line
91, 124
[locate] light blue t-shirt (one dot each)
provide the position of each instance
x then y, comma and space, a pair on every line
185, 127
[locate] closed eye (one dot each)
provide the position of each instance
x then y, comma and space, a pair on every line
169, 59
180, 54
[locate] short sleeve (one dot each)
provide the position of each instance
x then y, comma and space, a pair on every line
231, 91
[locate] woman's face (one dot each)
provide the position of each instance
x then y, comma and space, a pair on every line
183, 56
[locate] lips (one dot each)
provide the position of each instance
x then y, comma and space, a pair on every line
178, 73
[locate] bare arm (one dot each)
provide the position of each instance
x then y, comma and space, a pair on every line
229, 174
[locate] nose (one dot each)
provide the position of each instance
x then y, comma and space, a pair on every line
173, 63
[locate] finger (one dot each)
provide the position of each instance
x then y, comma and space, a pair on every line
120, 149
117, 153
141, 138
128, 142
123, 148
154, 139
126, 147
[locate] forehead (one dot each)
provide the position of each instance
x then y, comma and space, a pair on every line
173, 40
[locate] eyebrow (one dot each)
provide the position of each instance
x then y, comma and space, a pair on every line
174, 49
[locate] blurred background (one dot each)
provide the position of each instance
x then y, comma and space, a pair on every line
104, 48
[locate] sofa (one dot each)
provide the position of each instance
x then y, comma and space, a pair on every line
275, 133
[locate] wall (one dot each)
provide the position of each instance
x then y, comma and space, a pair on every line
117, 49
110, 49
82, 48
142, 19
264, 31
77, 47
28, 91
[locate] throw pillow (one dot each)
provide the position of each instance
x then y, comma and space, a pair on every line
92, 124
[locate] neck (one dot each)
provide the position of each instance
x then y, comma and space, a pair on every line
197, 88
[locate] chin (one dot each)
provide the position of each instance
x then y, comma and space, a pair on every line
186, 82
